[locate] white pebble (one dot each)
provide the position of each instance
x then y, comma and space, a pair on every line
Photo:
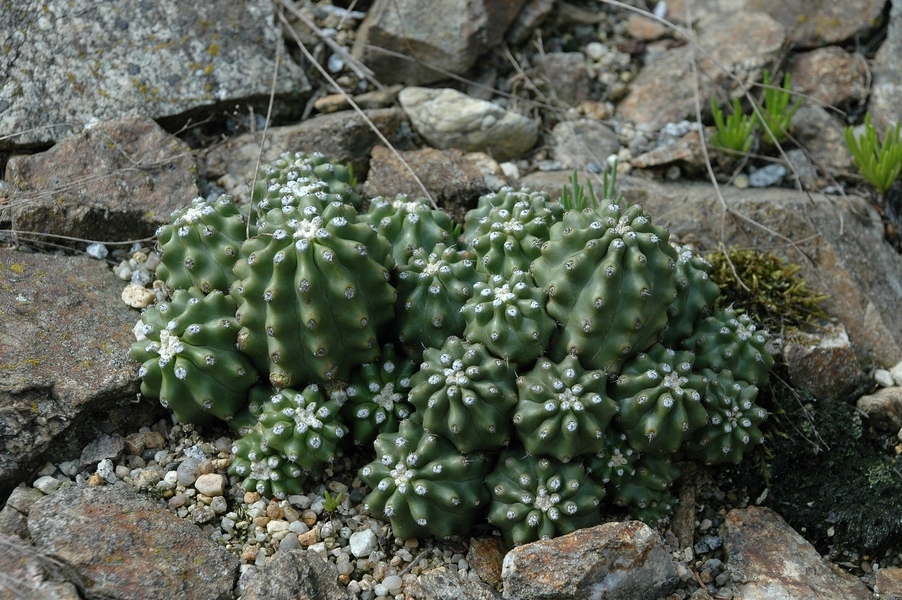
47, 484
896, 372
106, 470
595, 50
883, 378
362, 543
97, 251
298, 527
210, 484
392, 582
219, 505
70, 467
381, 590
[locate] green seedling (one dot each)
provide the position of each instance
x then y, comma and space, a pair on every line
583, 197
776, 115
879, 163
734, 134
332, 502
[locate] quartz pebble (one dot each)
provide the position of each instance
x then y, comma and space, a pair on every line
363, 543
210, 484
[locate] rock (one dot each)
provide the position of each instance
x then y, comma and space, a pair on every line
896, 373
814, 24
27, 574
767, 176
436, 38
613, 560
65, 373
211, 484
530, 17
124, 545
104, 446
580, 142
118, 180
665, 90
14, 516
837, 241
454, 179
685, 151
71, 64
441, 584
446, 118
296, 575
644, 28
485, 558
886, 87
344, 137
821, 134
883, 408
830, 75
363, 543
564, 77
769, 560
826, 349
888, 585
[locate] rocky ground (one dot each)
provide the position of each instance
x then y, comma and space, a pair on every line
110, 119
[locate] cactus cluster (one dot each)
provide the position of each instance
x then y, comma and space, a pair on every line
529, 365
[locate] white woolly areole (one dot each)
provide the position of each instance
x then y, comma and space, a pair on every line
387, 397
169, 345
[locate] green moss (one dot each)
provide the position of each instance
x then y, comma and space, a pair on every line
766, 288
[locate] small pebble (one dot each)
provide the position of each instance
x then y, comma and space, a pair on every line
98, 251
289, 542
363, 543
884, 378
767, 176
47, 484
210, 484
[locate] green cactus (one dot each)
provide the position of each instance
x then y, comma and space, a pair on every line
409, 225
733, 420
423, 485
510, 236
377, 396
696, 295
264, 470
201, 245
727, 340
537, 497
432, 288
504, 199
563, 410
300, 180
186, 348
644, 492
508, 316
313, 295
614, 462
660, 398
610, 278
466, 395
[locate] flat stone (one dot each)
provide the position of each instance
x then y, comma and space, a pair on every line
825, 349
65, 372
613, 560
446, 118
344, 137
579, 142
104, 446
837, 241
70, 64
768, 560
821, 133
27, 574
454, 180
814, 24
124, 545
437, 38
211, 484
119, 180
665, 90
888, 584
883, 408
485, 557
296, 575
564, 77
830, 75
441, 584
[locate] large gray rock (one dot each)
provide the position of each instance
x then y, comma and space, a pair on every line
837, 241
613, 560
69, 64
447, 118
296, 575
65, 373
119, 180
436, 37
769, 560
887, 73
126, 546
814, 24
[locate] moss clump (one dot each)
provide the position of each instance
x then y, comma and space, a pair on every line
766, 288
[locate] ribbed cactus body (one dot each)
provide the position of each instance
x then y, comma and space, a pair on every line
733, 420
537, 204
563, 410
188, 355
423, 485
263, 469
300, 180
313, 295
201, 245
609, 275
409, 225
432, 288
660, 398
377, 396
645, 492
508, 316
731, 341
695, 298
466, 395
537, 497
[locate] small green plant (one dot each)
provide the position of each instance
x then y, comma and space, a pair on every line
734, 134
776, 113
332, 502
879, 163
583, 197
